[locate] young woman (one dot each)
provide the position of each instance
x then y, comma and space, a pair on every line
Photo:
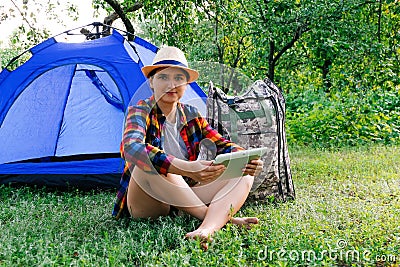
161, 144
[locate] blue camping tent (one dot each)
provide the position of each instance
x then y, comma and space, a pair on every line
62, 111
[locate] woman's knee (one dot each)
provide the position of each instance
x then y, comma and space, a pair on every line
248, 181
141, 204
149, 212
244, 183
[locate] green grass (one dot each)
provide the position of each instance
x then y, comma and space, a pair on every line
346, 214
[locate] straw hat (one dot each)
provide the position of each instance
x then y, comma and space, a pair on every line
170, 56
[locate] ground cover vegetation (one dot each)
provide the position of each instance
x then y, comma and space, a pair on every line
337, 63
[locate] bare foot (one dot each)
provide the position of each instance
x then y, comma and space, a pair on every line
206, 233
245, 221
203, 235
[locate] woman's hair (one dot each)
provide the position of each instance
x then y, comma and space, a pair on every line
151, 74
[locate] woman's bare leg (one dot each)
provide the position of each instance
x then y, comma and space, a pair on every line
151, 195
148, 196
224, 204
141, 205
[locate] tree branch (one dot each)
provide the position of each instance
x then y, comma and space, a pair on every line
299, 31
24, 18
121, 13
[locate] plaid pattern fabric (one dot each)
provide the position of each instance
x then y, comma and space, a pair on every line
142, 143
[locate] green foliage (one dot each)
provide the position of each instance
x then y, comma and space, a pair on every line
356, 100
6, 55
27, 33
168, 22
348, 202
344, 119
12, 58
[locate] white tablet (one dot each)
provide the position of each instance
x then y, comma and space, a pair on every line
236, 161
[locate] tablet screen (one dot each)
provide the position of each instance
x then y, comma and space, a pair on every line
236, 161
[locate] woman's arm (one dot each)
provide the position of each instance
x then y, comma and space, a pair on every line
135, 150
199, 170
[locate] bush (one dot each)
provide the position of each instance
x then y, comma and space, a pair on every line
343, 119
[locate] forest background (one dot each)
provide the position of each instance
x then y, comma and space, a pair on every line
337, 62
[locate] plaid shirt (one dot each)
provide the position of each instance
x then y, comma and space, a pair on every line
142, 143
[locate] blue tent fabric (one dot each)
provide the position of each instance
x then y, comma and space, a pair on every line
62, 111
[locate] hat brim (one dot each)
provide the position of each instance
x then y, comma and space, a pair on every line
193, 74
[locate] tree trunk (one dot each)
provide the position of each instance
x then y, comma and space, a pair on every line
325, 72
271, 61
379, 21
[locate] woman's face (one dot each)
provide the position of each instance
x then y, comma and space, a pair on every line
169, 85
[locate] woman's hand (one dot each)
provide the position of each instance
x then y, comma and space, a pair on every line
204, 171
254, 167
199, 170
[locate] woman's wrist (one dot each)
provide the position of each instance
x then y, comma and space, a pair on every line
181, 167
